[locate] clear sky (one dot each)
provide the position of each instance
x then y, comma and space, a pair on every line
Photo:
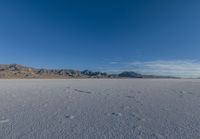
148, 36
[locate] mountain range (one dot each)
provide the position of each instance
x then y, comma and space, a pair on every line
15, 71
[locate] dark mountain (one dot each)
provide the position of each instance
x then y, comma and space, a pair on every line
94, 74
14, 71
130, 74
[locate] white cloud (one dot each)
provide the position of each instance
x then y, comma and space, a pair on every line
181, 68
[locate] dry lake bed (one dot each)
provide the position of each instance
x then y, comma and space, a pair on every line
100, 109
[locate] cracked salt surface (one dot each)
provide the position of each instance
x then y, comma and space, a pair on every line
114, 109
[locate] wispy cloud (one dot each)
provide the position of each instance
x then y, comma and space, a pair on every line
181, 68
114, 62
178, 68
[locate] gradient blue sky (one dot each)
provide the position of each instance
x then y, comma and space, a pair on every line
107, 35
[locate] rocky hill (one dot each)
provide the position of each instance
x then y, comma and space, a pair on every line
13, 71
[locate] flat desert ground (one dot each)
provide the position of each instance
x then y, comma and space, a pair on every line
100, 109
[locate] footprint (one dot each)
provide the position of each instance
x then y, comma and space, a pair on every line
81, 91
142, 119
130, 96
138, 118
126, 107
139, 102
166, 109
157, 136
183, 93
139, 92
116, 114
4, 121
69, 116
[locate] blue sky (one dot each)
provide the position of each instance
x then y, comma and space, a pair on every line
148, 36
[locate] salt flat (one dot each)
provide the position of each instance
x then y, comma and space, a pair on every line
100, 109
